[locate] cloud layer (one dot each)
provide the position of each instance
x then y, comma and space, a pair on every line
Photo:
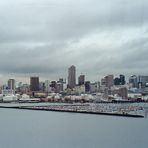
45, 37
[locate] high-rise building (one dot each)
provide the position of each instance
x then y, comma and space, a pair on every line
87, 86
11, 84
47, 86
71, 77
117, 81
122, 79
42, 86
53, 86
34, 83
143, 80
133, 81
81, 79
61, 83
109, 81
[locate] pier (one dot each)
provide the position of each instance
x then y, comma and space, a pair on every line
83, 109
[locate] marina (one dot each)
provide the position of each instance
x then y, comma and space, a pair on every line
125, 110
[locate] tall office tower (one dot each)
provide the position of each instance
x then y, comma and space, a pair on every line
81, 80
117, 81
109, 81
122, 79
34, 83
71, 77
133, 81
11, 84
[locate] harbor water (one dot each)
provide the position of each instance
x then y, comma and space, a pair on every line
36, 129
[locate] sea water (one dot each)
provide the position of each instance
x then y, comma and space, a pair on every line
43, 129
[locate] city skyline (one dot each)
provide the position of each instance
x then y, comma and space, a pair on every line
74, 79
99, 37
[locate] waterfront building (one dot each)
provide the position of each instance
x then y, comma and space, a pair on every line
34, 83
71, 77
11, 84
81, 79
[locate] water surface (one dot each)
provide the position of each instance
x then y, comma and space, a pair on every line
39, 129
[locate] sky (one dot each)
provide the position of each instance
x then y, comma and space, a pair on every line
100, 37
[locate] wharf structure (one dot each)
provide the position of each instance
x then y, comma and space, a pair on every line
101, 109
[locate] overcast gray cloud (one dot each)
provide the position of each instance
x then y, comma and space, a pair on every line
45, 37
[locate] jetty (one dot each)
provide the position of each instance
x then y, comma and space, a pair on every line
83, 109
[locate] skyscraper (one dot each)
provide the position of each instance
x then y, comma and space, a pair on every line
81, 80
133, 80
119, 81
122, 79
109, 81
71, 77
34, 83
11, 84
